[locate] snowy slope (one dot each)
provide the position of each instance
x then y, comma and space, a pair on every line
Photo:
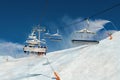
97, 62
23, 68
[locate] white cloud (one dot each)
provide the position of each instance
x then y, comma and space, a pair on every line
10, 49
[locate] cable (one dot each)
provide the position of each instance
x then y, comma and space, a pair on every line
49, 63
97, 14
114, 26
44, 9
101, 12
57, 77
42, 14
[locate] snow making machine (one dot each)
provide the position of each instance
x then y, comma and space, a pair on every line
34, 44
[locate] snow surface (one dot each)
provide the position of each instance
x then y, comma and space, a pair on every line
95, 62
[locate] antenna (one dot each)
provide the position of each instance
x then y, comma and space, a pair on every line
44, 9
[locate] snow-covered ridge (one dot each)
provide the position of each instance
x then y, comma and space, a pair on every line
97, 62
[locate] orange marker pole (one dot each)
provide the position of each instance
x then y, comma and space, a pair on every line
56, 76
110, 36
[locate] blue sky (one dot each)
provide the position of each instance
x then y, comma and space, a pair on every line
18, 16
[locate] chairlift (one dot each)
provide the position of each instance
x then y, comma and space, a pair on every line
34, 44
84, 36
47, 34
85, 31
94, 15
56, 36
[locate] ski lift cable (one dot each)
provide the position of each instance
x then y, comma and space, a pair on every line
28, 67
49, 63
28, 70
44, 9
42, 13
114, 26
108, 9
57, 77
29, 64
44, 74
97, 14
